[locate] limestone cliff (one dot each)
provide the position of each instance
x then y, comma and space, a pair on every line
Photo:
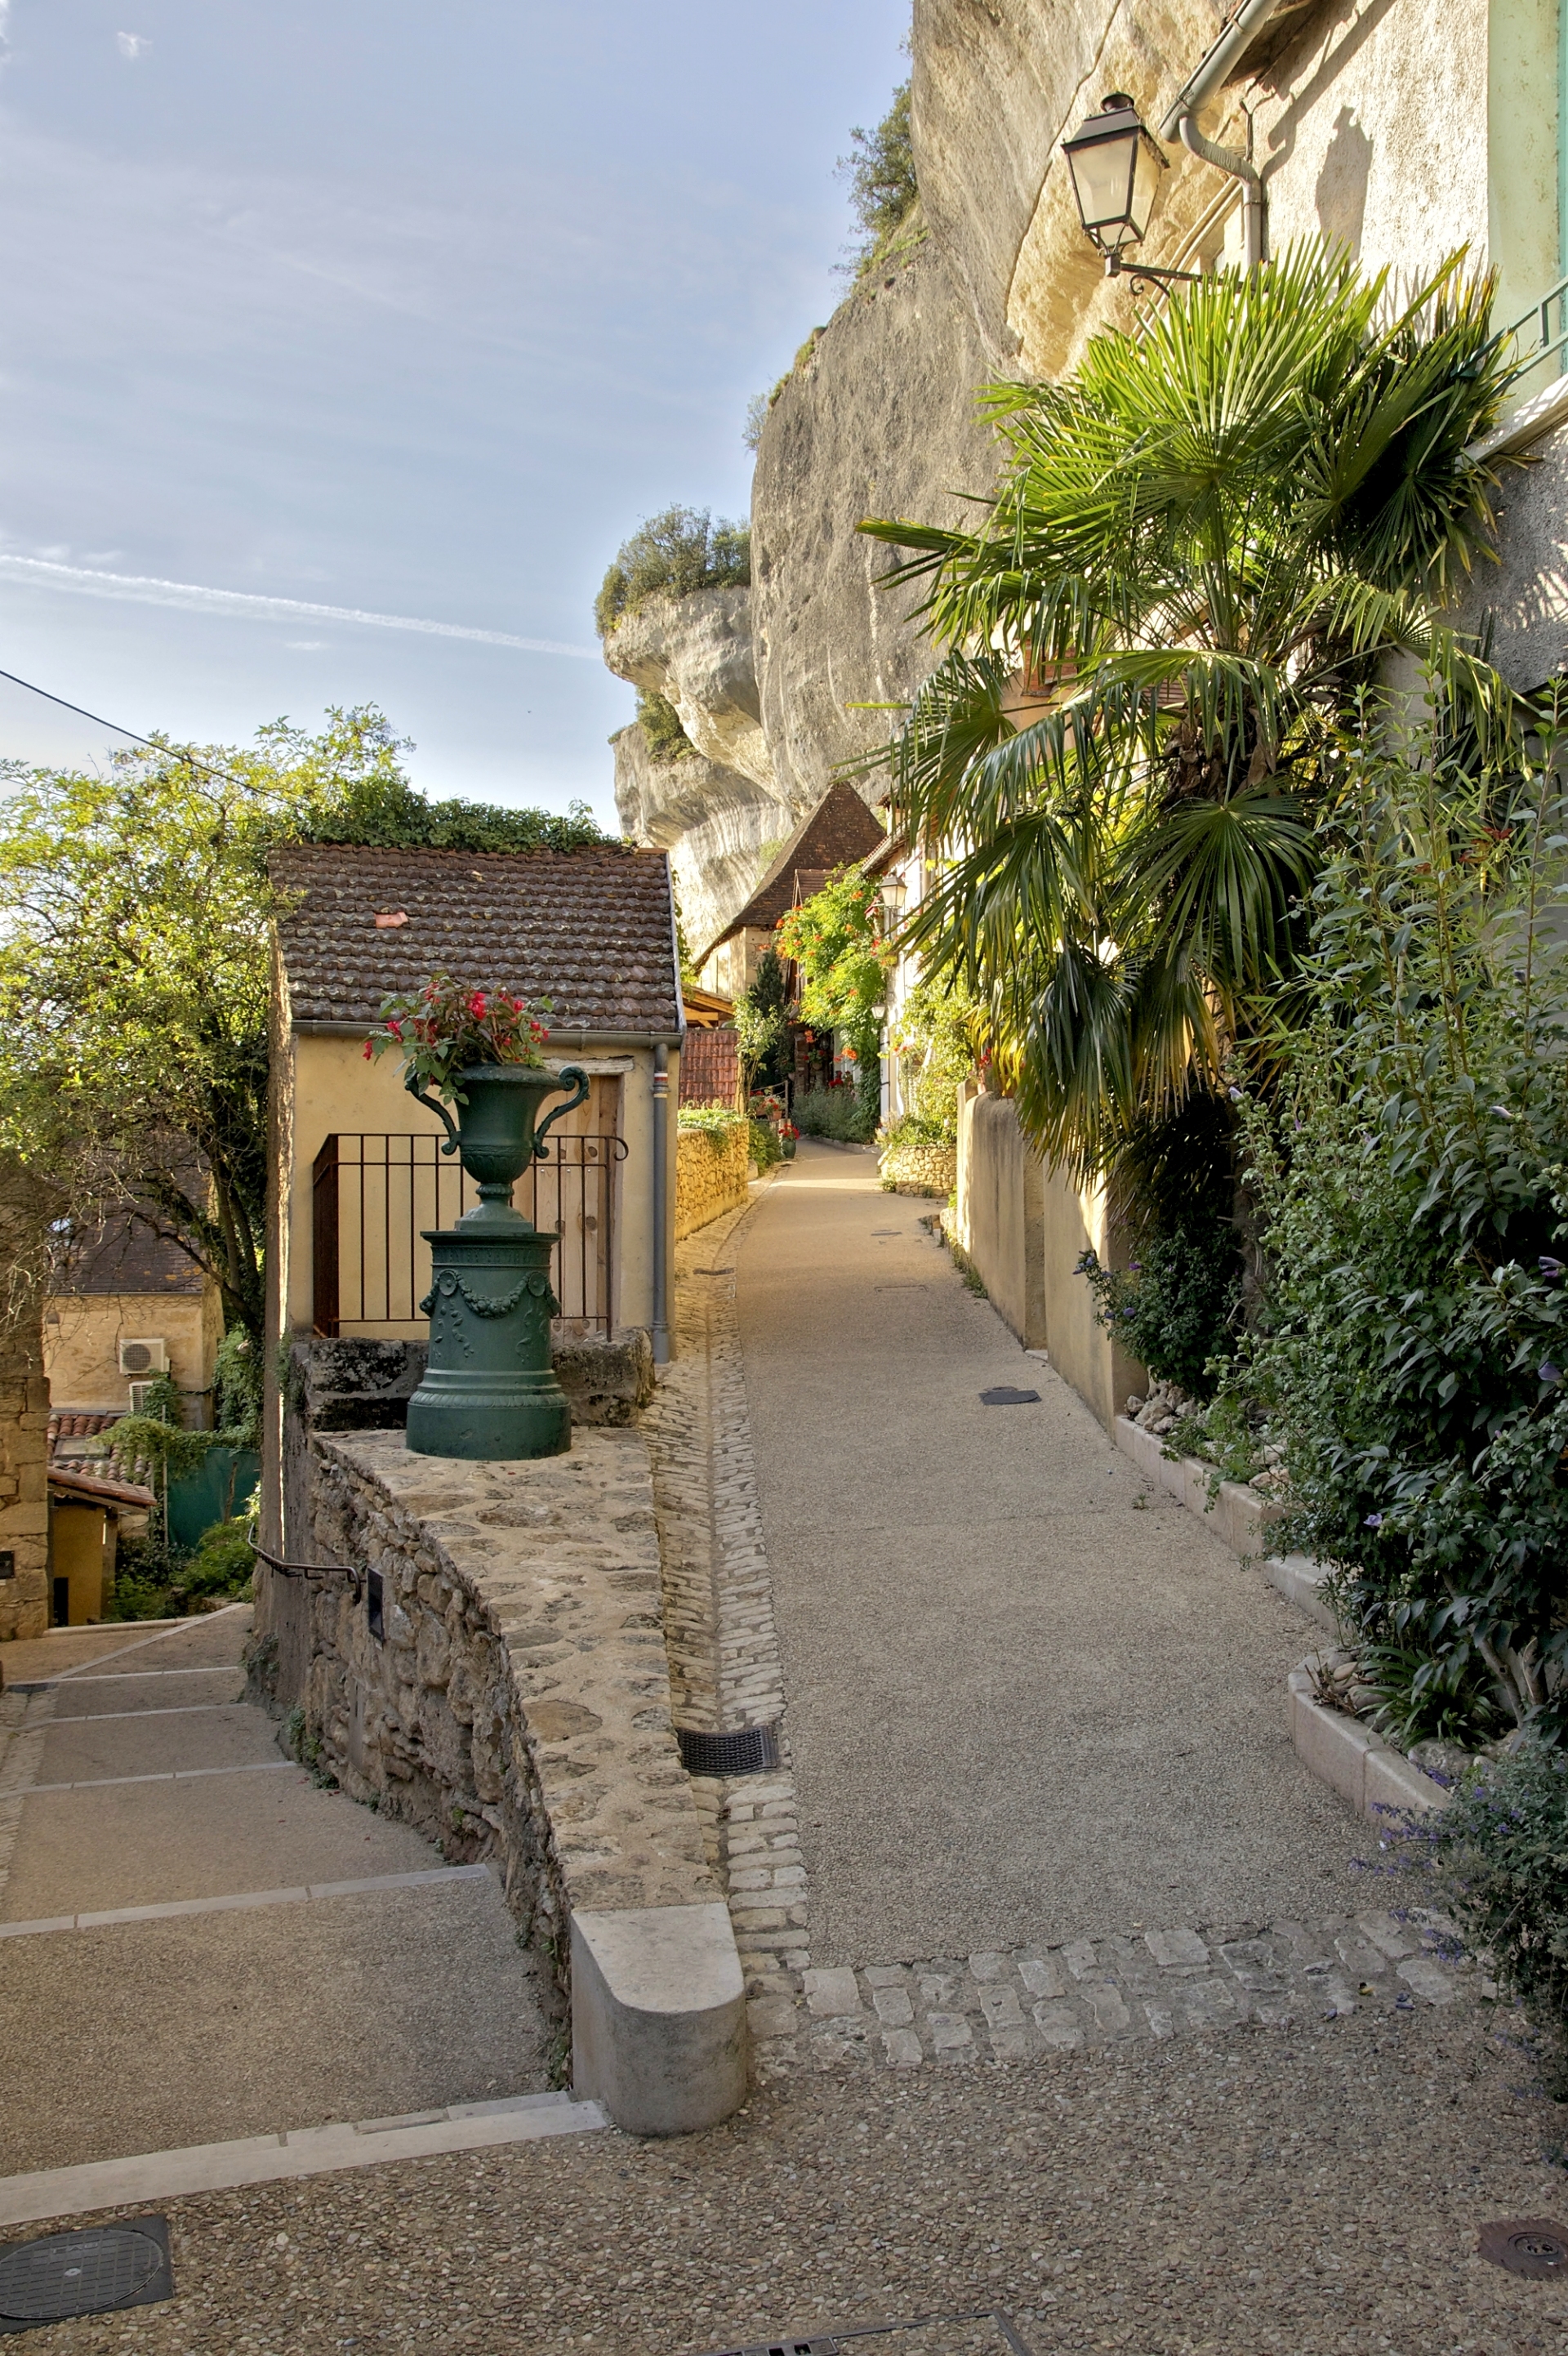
720, 827
878, 420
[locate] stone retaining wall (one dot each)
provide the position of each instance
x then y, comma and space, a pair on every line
920, 1168
710, 1175
516, 1706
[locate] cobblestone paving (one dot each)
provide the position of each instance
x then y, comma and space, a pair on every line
718, 1621
1098, 1994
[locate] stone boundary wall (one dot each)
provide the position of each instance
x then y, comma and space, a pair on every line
709, 1175
24, 1484
516, 1706
920, 1170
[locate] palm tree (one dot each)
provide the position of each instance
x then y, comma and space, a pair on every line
1207, 543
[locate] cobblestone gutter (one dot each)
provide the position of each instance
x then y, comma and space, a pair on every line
515, 1706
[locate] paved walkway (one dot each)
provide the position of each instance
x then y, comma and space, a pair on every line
1028, 1700
197, 1942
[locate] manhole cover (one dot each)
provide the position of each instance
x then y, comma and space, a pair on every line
986, 2332
749, 1751
85, 2274
1005, 1395
1526, 2245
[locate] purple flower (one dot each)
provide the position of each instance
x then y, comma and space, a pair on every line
1551, 1266
1235, 1096
1548, 1372
1373, 1521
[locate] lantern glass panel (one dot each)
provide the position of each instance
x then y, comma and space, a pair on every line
1104, 173
1146, 180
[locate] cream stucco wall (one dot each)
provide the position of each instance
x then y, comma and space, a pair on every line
1025, 1227
328, 1088
83, 1331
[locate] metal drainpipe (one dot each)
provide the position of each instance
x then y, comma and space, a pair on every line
1181, 122
661, 1204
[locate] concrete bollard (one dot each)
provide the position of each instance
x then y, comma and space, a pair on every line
658, 2017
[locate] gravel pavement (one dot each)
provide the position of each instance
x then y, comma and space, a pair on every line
1307, 2190
1026, 1697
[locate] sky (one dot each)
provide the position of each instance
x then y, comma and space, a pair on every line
318, 311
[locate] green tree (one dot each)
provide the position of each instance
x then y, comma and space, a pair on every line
135, 970
673, 555
879, 169
762, 1021
837, 941
1205, 541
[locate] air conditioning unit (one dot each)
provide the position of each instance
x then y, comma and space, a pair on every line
141, 1399
145, 1358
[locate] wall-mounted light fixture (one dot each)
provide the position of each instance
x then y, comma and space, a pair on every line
1115, 169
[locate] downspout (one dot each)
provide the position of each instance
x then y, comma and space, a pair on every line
1181, 122
661, 1204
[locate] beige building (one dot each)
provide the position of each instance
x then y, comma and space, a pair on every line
356, 1170
126, 1305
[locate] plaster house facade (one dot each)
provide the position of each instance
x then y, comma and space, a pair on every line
125, 1304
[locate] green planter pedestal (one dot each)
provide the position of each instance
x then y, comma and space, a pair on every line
488, 1391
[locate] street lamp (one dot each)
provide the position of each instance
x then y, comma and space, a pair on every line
1115, 169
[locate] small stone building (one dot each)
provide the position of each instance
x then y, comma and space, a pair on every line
124, 1305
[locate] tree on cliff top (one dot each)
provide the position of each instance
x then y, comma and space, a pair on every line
879, 169
135, 965
673, 555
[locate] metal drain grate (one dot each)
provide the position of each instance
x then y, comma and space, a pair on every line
1526, 2245
85, 2274
749, 1750
1006, 1395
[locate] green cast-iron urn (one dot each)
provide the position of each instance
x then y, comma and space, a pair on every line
489, 1391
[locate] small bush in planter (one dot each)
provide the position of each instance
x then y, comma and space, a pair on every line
1499, 1857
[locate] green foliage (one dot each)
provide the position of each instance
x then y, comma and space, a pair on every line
223, 1562
766, 1148
835, 1112
1499, 1856
1174, 1307
1224, 1435
879, 169
660, 722
1204, 541
1455, 1702
1412, 1188
673, 555
913, 1129
135, 966
443, 1027
762, 1021
716, 1122
837, 941
936, 1048
237, 1388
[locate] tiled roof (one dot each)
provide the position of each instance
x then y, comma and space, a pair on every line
96, 1492
589, 929
78, 1424
840, 831
124, 1255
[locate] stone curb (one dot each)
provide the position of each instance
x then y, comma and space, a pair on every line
1238, 1516
1350, 1758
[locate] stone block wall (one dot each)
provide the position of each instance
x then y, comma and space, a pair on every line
709, 1175
23, 1489
515, 1704
911, 1169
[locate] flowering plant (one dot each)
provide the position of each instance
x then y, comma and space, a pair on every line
445, 1027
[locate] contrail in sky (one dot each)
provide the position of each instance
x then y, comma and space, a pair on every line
140, 589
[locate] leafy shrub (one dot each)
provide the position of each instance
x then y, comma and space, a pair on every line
1415, 1202
911, 1129
673, 554
222, 1562
764, 1144
835, 1112
1499, 1855
762, 1021
879, 169
384, 811
1175, 1308
1422, 1702
716, 1122
660, 722
935, 1047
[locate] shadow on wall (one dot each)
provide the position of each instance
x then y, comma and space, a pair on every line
1340, 195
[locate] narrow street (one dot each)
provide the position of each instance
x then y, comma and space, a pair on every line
1028, 1697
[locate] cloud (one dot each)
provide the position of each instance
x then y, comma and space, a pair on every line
132, 44
140, 589
304, 646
